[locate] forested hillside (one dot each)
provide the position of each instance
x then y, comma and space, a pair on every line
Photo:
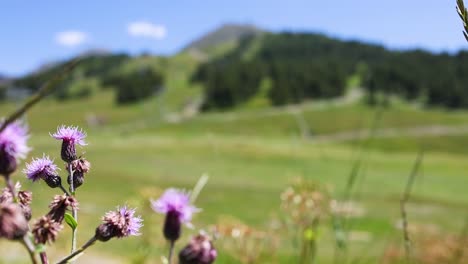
293, 67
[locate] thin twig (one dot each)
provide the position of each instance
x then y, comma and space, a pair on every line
171, 251
30, 248
78, 251
74, 211
198, 187
404, 199
64, 190
10, 186
40, 94
44, 259
340, 222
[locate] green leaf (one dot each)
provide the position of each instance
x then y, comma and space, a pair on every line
71, 221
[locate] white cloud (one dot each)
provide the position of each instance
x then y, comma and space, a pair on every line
71, 38
147, 30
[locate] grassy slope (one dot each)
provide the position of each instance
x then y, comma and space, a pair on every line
251, 156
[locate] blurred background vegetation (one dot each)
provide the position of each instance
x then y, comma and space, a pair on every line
258, 112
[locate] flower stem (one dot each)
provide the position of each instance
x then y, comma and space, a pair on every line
45, 89
78, 251
171, 251
74, 211
64, 190
10, 186
29, 246
44, 259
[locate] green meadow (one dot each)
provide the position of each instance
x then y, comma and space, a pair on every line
251, 155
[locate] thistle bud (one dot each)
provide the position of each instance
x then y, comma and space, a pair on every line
53, 181
200, 250
78, 179
79, 167
8, 163
13, 224
172, 226
12, 146
68, 151
105, 231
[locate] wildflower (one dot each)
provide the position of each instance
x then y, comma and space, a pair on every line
200, 250
176, 205
43, 168
59, 205
70, 136
12, 146
13, 224
119, 223
79, 167
46, 230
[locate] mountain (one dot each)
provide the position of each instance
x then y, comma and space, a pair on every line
290, 67
224, 35
242, 64
4, 79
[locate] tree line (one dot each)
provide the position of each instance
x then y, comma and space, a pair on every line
94, 72
304, 66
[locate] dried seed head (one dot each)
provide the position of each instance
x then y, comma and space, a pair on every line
59, 206
200, 250
13, 224
6, 196
81, 165
25, 197
45, 230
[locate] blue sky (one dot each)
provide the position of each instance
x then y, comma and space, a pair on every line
36, 32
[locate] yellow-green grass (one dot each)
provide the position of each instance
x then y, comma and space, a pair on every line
250, 156
247, 176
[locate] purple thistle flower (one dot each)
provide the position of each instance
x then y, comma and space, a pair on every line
12, 146
70, 136
176, 205
175, 200
40, 168
119, 223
